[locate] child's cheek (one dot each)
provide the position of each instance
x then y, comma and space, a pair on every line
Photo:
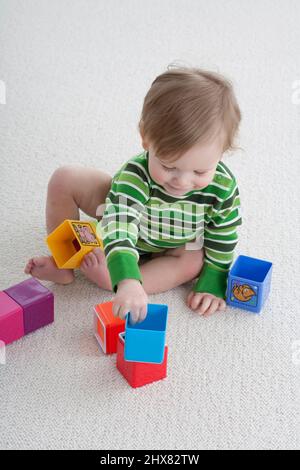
157, 175
204, 181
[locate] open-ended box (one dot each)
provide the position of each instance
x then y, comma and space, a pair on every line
145, 341
107, 327
71, 241
24, 308
249, 283
138, 374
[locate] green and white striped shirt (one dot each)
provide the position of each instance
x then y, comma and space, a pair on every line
142, 217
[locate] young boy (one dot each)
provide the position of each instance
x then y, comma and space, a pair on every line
175, 206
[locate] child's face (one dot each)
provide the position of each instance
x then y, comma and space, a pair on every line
195, 169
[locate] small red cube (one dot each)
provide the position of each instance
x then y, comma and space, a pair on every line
107, 327
138, 374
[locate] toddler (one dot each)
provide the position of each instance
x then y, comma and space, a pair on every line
170, 214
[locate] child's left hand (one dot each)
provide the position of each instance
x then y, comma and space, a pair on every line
204, 304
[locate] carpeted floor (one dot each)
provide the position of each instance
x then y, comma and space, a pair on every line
76, 73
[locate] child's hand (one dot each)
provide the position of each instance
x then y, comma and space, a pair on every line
130, 297
204, 304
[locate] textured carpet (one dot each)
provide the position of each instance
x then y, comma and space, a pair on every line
76, 73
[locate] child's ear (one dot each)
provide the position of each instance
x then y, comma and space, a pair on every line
145, 142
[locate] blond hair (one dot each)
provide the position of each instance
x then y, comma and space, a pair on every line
186, 106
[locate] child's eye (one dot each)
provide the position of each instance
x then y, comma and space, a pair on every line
168, 169
199, 173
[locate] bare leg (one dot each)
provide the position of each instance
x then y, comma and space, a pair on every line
75, 187
168, 270
60, 204
70, 188
171, 270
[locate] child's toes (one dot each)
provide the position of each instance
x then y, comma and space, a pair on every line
39, 261
99, 255
94, 259
28, 267
87, 261
83, 263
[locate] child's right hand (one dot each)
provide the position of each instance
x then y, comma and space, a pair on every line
130, 297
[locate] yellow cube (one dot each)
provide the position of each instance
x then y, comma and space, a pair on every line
71, 240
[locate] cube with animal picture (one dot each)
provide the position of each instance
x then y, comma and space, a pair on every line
249, 283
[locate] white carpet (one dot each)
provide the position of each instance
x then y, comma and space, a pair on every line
76, 73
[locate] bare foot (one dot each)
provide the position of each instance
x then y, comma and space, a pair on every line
44, 268
95, 269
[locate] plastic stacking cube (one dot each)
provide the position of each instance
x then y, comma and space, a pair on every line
249, 283
71, 241
36, 301
107, 327
138, 374
11, 319
145, 341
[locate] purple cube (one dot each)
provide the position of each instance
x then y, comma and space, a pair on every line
37, 303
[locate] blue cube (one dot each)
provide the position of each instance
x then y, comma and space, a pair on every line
145, 341
249, 283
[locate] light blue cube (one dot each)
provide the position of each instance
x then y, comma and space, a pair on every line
145, 341
249, 283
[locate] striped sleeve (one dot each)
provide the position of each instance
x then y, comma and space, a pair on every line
119, 226
220, 240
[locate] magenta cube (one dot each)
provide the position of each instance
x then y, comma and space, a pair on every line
37, 302
11, 319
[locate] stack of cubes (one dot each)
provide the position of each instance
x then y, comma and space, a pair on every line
24, 308
141, 351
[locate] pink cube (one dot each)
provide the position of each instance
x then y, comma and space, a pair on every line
36, 301
11, 319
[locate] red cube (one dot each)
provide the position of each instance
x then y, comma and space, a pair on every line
107, 327
138, 374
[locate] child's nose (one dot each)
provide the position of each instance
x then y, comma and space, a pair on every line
182, 182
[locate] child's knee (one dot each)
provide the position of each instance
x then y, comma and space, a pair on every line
61, 179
